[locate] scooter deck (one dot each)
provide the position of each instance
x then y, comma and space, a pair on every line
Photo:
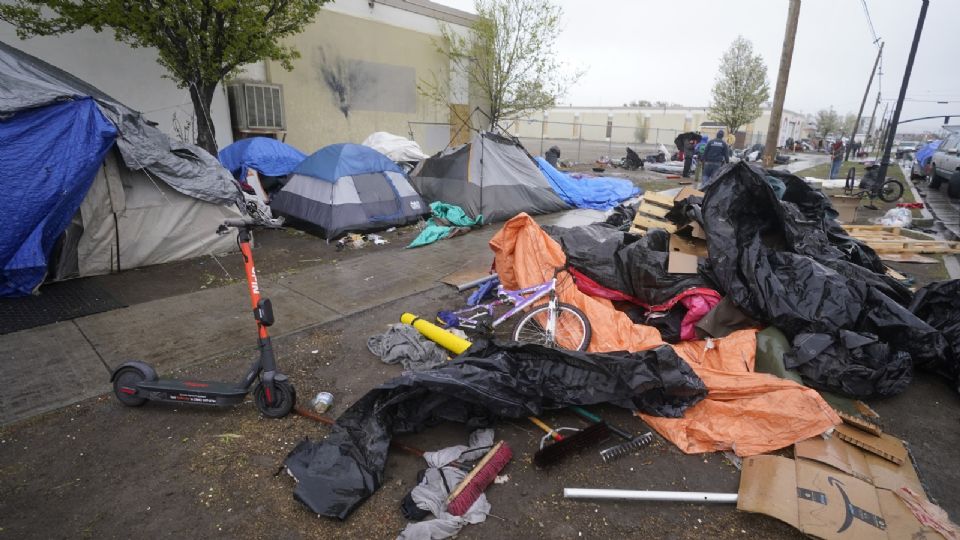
199, 392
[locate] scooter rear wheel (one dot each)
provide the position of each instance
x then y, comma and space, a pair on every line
283, 401
126, 378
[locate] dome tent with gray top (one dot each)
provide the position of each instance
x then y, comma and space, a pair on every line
492, 176
349, 188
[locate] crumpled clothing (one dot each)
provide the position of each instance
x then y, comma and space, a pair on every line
448, 220
438, 482
403, 344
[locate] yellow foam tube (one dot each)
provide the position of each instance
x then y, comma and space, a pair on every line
447, 340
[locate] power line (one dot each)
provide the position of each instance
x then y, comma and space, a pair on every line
866, 12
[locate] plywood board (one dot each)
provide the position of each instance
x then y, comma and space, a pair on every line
653, 210
907, 258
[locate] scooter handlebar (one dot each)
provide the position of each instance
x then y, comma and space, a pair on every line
247, 223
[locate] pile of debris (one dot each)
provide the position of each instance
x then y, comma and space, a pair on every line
676, 304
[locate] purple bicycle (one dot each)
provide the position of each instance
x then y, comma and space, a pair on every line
552, 323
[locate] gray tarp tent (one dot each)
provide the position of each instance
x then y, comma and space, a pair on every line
491, 176
130, 216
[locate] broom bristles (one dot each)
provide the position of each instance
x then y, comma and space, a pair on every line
586, 437
479, 478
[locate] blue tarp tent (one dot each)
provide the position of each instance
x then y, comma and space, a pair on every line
599, 193
49, 159
84, 182
926, 151
267, 156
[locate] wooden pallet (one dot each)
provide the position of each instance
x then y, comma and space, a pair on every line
910, 245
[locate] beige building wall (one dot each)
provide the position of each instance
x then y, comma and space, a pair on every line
358, 73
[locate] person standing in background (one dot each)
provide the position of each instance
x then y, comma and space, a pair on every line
689, 148
715, 154
836, 151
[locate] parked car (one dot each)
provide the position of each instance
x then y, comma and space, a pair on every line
945, 164
906, 150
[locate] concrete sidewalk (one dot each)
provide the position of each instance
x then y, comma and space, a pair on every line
53, 366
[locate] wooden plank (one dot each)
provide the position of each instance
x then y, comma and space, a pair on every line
907, 258
896, 275
928, 250
649, 223
653, 210
880, 228
658, 198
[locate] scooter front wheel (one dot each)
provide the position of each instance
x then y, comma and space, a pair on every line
125, 384
283, 401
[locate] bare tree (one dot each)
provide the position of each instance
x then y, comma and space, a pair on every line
741, 86
508, 56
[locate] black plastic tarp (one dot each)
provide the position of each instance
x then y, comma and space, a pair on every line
635, 265
939, 305
777, 262
337, 474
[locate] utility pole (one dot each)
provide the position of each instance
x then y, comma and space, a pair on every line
873, 117
892, 126
856, 125
786, 56
882, 130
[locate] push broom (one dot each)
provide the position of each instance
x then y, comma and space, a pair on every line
565, 445
470, 488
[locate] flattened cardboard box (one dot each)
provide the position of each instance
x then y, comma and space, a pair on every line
826, 502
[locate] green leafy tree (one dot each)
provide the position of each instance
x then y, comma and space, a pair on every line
849, 123
828, 121
741, 86
199, 42
508, 57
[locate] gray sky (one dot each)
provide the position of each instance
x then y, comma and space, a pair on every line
631, 50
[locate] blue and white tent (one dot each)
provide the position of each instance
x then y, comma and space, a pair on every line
267, 156
349, 188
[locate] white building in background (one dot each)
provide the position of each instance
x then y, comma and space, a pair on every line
649, 125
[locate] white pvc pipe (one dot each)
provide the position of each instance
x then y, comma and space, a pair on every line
639, 495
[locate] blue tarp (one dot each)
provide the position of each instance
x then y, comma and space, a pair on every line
49, 157
333, 162
926, 151
267, 156
599, 193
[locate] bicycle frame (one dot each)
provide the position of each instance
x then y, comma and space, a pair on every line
519, 299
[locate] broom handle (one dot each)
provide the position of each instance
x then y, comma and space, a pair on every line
596, 419
542, 425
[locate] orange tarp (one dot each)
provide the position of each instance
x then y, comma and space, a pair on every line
750, 413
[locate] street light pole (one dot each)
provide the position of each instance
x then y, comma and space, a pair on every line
892, 126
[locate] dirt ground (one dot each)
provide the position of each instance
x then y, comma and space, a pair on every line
100, 470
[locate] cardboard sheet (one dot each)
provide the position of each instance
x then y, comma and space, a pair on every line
825, 502
834, 489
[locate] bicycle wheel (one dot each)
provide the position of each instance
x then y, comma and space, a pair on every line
891, 191
572, 328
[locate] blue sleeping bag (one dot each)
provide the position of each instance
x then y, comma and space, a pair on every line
598, 193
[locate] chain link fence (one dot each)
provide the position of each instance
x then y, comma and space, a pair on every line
582, 143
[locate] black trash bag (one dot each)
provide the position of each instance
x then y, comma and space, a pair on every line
592, 249
622, 216
335, 475
668, 322
642, 265
856, 365
939, 305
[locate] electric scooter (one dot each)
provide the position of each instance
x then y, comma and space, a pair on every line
136, 382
